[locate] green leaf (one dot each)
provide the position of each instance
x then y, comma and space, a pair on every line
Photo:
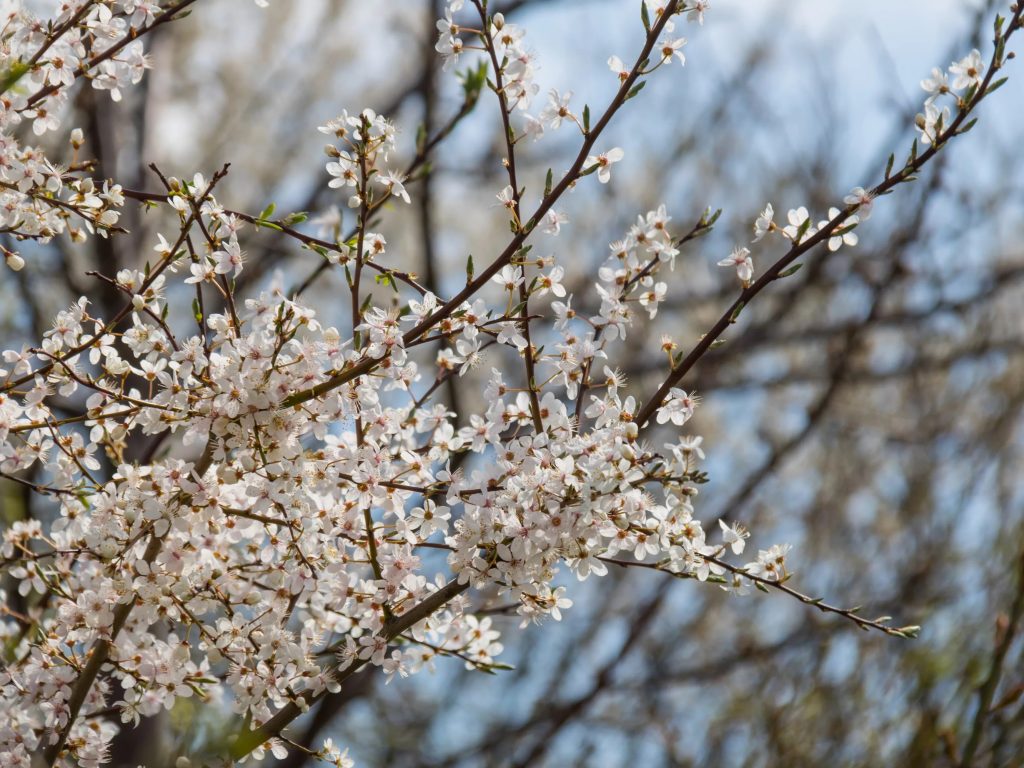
267, 212
469, 269
792, 270
295, 218
636, 89
735, 314
387, 279
548, 183
473, 81
12, 75
586, 118
888, 165
645, 16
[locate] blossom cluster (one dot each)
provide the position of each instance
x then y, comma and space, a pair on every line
39, 197
301, 507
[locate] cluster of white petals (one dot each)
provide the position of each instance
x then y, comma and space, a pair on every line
302, 507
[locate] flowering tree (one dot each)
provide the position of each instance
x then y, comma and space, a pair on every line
251, 506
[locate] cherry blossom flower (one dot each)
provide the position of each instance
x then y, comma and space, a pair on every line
740, 258
847, 238
678, 407
603, 162
936, 85
557, 109
968, 70
932, 122
697, 9
615, 65
796, 230
864, 201
764, 224
670, 49
734, 536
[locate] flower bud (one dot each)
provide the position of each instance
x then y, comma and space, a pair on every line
14, 261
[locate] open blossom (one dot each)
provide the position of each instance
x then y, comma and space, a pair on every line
345, 171
697, 10
936, 85
764, 224
847, 238
864, 201
931, 122
740, 258
770, 564
967, 71
553, 221
449, 44
615, 65
678, 408
552, 282
509, 277
670, 49
797, 218
393, 182
604, 162
734, 536
557, 109
507, 197
650, 298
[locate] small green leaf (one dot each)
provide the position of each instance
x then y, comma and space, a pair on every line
469, 269
791, 271
548, 183
636, 89
586, 118
735, 314
386, 278
645, 16
12, 75
267, 212
888, 165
